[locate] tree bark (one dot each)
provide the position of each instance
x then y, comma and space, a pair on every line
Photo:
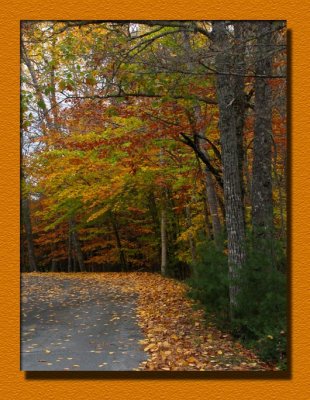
239, 104
230, 160
262, 207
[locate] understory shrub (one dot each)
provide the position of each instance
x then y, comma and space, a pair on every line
209, 281
259, 320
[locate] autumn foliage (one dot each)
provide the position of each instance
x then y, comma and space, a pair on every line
143, 143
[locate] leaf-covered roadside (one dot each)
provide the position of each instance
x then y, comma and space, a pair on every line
177, 337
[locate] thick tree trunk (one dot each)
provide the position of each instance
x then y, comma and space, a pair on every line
262, 208
29, 236
239, 104
230, 160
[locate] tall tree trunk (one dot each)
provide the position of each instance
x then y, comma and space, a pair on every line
199, 135
29, 235
262, 208
77, 247
230, 160
239, 103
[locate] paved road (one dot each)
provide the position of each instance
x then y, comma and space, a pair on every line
76, 324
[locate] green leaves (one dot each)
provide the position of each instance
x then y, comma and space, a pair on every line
49, 90
41, 104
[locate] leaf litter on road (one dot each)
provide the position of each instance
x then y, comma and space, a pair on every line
176, 335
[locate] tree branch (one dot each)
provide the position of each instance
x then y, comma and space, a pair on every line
187, 140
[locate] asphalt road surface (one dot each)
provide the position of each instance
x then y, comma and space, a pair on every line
76, 324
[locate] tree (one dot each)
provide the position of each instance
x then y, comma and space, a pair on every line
104, 99
262, 205
231, 175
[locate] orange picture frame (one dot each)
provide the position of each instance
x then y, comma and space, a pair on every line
15, 384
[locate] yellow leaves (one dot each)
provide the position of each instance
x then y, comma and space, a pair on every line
151, 347
177, 338
114, 319
99, 213
191, 360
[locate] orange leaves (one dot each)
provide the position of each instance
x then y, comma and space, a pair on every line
176, 336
